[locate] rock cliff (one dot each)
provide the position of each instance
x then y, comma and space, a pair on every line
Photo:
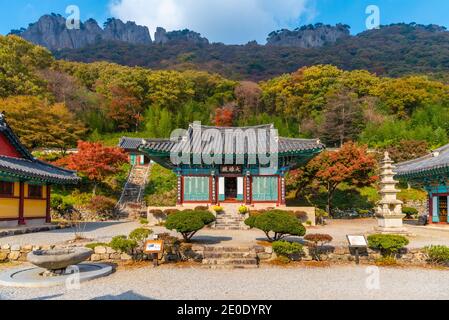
311, 36
51, 32
162, 37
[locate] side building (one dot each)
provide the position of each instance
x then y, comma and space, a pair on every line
431, 173
235, 175
25, 182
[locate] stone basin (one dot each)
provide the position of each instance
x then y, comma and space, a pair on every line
59, 259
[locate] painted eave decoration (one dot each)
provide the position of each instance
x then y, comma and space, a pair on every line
28, 169
433, 165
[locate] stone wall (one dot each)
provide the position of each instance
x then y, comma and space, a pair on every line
344, 254
421, 205
187, 252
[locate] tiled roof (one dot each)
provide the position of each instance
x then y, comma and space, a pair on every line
36, 170
11, 136
286, 145
435, 162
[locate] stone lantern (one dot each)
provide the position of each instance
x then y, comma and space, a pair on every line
389, 208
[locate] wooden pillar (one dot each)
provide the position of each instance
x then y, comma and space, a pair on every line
213, 190
22, 204
248, 190
430, 216
180, 187
48, 209
283, 190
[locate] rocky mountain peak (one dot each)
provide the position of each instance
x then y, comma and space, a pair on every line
51, 32
310, 36
182, 36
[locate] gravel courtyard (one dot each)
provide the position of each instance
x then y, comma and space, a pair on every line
338, 229
348, 282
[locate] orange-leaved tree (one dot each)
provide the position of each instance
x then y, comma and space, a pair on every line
95, 161
351, 164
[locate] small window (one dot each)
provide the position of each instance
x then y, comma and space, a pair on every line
6, 189
35, 192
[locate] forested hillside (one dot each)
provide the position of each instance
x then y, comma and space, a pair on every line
53, 102
395, 50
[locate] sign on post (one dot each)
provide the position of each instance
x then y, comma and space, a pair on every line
357, 242
155, 248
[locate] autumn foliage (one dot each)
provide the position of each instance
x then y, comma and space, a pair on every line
95, 161
351, 164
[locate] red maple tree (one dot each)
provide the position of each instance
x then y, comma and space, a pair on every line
351, 164
224, 117
95, 161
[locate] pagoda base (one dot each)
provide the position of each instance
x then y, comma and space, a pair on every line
391, 224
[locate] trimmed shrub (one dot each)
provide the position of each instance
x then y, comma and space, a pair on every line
287, 249
61, 205
170, 211
316, 242
140, 235
218, 209
437, 254
97, 244
301, 216
201, 208
409, 212
243, 210
121, 243
143, 221
276, 224
103, 206
387, 244
189, 222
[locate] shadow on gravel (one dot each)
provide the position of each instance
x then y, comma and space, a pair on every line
129, 295
210, 239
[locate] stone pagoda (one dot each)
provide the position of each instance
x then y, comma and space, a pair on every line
389, 208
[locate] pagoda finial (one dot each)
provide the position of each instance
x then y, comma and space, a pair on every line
387, 156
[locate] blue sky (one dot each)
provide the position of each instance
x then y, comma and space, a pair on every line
229, 21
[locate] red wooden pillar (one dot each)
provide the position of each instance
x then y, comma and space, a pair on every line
21, 204
430, 216
48, 210
282, 190
180, 188
248, 190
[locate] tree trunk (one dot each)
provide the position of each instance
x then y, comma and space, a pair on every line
94, 191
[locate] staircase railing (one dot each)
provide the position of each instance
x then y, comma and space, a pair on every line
143, 186
120, 205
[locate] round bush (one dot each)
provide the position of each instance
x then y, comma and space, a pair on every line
277, 222
122, 244
409, 212
388, 244
243, 210
287, 249
140, 235
189, 222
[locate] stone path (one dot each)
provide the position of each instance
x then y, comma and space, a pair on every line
348, 282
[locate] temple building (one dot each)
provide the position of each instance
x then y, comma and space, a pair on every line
25, 182
431, 173
131, 146
217, 165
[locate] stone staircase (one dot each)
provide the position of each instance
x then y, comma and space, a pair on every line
230, 258
131, 203
230, 219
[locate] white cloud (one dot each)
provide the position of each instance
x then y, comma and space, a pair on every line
228, 21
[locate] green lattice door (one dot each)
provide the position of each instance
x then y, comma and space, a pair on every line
196, 189
265, 189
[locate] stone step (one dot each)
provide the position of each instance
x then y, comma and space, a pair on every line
230, 261
229, 255
228, 249
230, 267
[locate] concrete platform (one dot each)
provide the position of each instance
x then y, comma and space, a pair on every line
31, 277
